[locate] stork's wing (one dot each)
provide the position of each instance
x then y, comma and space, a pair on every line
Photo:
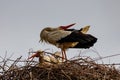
82, 39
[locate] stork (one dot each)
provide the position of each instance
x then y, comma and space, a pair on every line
47, 59
65, 38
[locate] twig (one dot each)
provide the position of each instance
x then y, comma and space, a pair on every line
66, 75
106, 57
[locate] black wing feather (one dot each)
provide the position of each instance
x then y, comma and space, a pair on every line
85, 40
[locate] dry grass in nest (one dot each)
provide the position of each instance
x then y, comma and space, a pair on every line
76, 69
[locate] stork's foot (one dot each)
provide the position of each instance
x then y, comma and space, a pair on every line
63, 59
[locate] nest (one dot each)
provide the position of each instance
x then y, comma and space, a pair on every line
75, 69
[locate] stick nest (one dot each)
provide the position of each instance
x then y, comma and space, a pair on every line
76, 69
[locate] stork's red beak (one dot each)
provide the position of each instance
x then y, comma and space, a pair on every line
34, 55
66, 27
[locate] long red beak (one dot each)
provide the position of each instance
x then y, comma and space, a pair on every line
34, 55
66, 27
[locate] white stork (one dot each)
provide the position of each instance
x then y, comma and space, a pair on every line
65, 38
47, 59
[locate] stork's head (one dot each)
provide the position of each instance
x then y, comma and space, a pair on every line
67, 26
44, 33
36, 54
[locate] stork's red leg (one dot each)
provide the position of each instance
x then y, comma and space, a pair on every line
65, 54
62, 55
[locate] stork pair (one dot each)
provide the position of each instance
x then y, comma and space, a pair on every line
64, 38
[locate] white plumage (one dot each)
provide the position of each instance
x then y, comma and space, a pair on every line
47, 59
51, 35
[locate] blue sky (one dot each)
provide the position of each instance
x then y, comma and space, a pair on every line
22, 20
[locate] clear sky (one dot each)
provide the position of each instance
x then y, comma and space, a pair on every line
22, 20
